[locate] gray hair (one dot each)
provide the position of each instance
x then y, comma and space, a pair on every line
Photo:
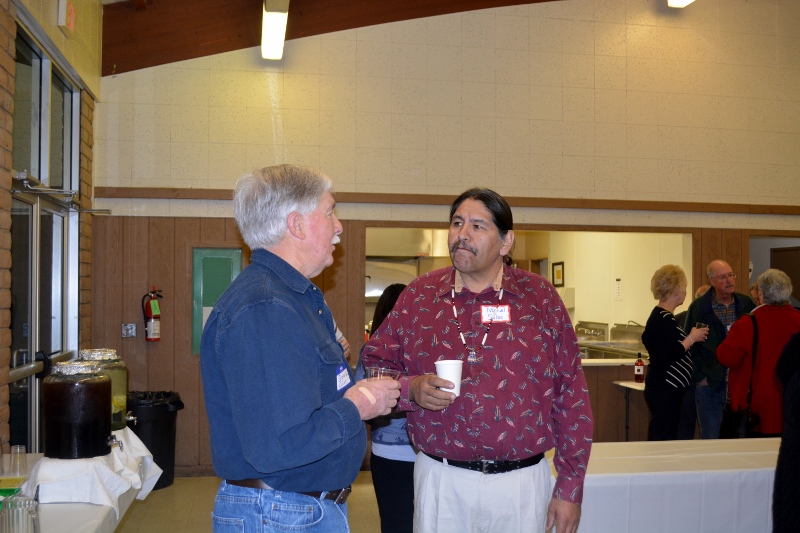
775, 287
264, 198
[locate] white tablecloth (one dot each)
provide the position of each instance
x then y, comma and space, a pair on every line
79, 517
698, 486
83, 517
91, 495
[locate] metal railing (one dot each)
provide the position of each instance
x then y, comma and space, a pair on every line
29, 369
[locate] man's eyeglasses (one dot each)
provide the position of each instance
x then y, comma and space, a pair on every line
729, 275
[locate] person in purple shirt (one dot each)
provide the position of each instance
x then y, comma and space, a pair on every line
523, 391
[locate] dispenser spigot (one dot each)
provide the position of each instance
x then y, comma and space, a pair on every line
114, 443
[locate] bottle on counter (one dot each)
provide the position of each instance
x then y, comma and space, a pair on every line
638, 369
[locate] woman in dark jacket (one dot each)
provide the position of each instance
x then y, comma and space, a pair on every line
669, 373
786, 497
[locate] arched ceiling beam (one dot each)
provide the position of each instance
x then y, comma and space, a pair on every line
176, 30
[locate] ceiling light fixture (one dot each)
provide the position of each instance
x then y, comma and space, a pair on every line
273, 28
679, 3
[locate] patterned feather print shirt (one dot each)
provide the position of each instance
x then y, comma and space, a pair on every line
525, 394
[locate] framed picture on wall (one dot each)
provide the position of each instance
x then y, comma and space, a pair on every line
558, 274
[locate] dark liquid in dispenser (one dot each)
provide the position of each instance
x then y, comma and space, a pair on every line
77, 419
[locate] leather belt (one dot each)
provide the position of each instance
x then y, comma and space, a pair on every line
491, 467
338, 496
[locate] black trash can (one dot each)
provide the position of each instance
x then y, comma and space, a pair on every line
156, 414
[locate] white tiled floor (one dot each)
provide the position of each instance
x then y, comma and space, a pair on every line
185, 507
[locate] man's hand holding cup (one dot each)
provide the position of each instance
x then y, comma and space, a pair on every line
376, 395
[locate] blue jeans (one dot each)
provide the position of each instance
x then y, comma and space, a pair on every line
710, 401
245, 510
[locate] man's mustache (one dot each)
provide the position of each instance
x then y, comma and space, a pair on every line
336, 240
464, 246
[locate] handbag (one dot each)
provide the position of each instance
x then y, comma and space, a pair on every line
736, 424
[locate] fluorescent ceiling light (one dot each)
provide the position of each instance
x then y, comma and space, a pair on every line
679, 3
273, 28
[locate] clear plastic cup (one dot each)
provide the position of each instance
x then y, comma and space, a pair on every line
18, 466
377, 374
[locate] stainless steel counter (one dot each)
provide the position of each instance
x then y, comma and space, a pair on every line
623, 349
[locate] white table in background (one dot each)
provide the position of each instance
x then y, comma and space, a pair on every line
702, 486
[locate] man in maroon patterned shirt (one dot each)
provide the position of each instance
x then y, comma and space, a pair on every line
523, 391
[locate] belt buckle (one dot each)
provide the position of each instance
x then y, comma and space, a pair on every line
486, 465
343, 495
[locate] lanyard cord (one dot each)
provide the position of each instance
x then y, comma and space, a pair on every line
472, 352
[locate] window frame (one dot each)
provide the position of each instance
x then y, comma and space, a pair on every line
45, 202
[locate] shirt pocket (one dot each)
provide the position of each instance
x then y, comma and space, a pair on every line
331, 353
331, 363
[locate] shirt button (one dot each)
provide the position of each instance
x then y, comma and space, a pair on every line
319, 311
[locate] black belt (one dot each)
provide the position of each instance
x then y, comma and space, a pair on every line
338, 496
492, 467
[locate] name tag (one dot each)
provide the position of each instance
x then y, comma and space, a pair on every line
342, 377
495, 313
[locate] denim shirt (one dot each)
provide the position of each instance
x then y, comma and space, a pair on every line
274, 378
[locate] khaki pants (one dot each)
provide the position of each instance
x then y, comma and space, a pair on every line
448, 499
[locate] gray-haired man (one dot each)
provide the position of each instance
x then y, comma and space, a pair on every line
286, 418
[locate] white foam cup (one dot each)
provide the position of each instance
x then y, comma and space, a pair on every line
451, 371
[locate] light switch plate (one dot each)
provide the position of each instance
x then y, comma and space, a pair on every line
128, 330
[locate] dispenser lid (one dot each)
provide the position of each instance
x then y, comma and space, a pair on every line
72, 368
98, 354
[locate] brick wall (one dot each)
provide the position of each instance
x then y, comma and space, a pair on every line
85, 202
8, 33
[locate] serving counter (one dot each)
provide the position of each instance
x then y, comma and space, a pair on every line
608, 400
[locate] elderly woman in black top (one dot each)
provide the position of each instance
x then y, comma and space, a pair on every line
669, 373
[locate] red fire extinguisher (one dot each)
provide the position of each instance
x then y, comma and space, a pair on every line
152, 315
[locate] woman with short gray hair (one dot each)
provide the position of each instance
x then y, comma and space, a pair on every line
772, 325
775, 287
